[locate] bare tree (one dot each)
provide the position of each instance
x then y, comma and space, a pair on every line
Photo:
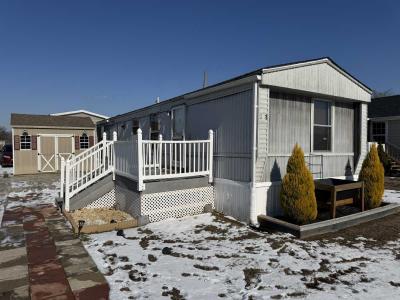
5, 134
378, 94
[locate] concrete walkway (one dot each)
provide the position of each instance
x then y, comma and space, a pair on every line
44, 259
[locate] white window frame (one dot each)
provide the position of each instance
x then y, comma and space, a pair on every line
332, 126
25, 135
173, 109
83, 135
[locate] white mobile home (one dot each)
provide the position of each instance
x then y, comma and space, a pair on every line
255, 120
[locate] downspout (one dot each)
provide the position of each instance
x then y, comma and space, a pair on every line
253, 198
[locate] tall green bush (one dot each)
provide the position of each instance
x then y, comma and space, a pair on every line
372, 173
298, 192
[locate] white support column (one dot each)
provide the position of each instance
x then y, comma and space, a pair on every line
159, 159
62, 179
103, 163
211, 154
39, 160
113, 153
56, 153
67, 183
140, 160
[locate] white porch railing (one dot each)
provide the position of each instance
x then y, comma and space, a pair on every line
139, 159
143, 160
86, 168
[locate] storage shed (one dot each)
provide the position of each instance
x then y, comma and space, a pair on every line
41, 140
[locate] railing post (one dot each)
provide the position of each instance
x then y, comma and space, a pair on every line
140, 160
104, 142
67, 183
112, 150
62, 177
211, 138
160, 152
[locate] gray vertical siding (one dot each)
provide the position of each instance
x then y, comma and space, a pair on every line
344, 127
393, 132
232, 198
230, 118
290, 119
290, 123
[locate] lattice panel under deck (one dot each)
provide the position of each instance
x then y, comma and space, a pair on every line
176, 204
105, 201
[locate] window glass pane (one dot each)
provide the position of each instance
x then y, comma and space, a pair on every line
380, 139
322, 138
378, 128
84, 141
179, 122
322, 113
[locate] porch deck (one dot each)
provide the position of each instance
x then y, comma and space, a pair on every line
142, 162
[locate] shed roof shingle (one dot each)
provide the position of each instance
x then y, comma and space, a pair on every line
384, 107
50, 121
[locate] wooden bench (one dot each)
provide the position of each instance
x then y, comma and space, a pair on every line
342, 192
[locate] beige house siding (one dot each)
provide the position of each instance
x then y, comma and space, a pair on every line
26, 160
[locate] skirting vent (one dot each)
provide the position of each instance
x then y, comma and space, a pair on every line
176, 204
105, 201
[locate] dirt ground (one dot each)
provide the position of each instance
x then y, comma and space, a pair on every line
392, 183
379, 232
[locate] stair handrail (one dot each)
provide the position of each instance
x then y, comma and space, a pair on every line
86, 168
389, 150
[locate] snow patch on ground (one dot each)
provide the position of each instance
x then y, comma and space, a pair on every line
5, 170
209, 257
206, 257
391, 196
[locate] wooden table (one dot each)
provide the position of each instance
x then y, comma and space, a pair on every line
342, 192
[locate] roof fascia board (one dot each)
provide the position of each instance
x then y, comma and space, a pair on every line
51, 127
389, 118
316, 62
79, 111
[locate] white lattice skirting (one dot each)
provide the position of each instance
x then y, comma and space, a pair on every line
105, 201
176, 204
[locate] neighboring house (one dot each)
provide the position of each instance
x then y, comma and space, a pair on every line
384, 120
39, 141
83, 113
256, 120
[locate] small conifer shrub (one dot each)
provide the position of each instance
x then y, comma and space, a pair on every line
372, 173
298, 192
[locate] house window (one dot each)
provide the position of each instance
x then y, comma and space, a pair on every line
379, 132
322, 126
25, 141
178, 122
154, 127
135, 126
84, 141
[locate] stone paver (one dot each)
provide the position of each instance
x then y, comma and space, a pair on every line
40, 258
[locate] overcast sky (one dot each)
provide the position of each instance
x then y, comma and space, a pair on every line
114, 56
